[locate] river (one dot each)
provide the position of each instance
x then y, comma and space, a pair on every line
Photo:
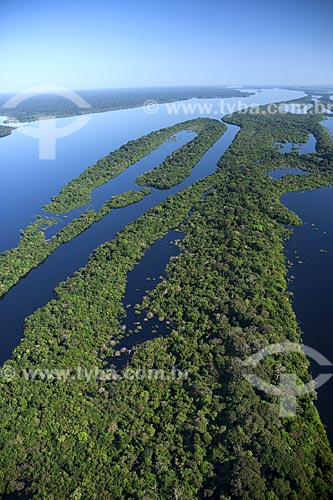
36, 289
29, 183
310, 249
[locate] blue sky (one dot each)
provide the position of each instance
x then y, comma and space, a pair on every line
132, 43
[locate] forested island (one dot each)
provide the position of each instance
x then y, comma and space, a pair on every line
179, 165
78, 191
34, 248
211, 434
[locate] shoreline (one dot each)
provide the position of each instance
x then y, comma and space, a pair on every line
89, 111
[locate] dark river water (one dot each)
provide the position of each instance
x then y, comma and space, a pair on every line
307, 147
28, 183
36, 289
144, 277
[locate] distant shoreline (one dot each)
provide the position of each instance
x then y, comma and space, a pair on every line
43, 107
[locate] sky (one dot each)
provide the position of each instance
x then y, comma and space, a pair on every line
131, 43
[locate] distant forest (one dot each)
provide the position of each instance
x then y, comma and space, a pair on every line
108, 100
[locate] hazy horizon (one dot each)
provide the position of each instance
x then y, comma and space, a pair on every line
239, 87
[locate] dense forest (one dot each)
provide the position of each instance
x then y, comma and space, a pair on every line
34, 248
211, 434
101, 100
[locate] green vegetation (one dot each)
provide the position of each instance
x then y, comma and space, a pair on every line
322, 103
211, 435
100, 100
180, 163
33, 248
326, 100
78, 191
